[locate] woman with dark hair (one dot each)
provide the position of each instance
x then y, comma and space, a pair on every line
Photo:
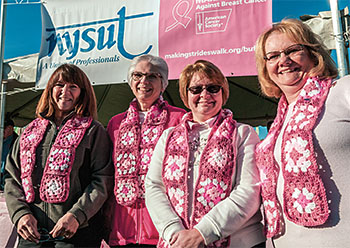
59, 172
202, 187
304, 160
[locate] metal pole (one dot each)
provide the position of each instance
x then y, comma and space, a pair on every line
3, 85
339, 39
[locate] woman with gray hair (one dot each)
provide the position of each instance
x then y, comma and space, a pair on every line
134, 134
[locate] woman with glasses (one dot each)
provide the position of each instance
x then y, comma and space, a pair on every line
304, 160
202, 185
59, 172
134, 134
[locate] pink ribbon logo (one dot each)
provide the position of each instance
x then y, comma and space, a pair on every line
180, 16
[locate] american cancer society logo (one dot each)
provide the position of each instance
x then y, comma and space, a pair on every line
212, 21
208, 21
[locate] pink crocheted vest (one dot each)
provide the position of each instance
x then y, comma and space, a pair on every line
304, 197
54, 186
216, 168
134, 148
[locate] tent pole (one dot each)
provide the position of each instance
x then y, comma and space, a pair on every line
339, 39
3, 85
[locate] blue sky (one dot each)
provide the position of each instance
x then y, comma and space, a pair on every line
23, 21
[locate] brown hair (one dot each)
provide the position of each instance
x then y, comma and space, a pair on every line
86, 104
300, 33
208, 69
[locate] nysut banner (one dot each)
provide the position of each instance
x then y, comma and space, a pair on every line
103, 36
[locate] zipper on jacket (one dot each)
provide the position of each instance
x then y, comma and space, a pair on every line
52, 141
46, 211
138, 224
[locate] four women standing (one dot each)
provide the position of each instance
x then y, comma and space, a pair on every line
202, 184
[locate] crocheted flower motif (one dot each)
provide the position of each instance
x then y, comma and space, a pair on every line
263, 174
271, 215
303, 200
177, 197
68, 138
54, 187
31, 137
80, 122
142, 191
146, 156
174, 167
128, 138
301, 117
128, 164
211, 192
126, 190
179, 139
218, 158
26, 156
223, 131
150, 135
295, 148
311, 88
59, 159
26, 184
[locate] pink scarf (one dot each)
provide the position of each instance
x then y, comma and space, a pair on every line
216, 168
134, 148
304, 196
54, 186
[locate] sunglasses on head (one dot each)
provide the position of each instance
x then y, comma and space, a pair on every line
211, 88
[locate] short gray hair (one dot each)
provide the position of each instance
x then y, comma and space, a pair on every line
159, 63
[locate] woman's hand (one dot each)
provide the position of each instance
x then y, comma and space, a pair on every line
187, 239
27, 228
66, 226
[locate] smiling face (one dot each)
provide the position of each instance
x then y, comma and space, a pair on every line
288, 72
148, 88
65, 96
204, 105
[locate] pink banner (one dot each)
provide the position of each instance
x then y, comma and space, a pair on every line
221, 31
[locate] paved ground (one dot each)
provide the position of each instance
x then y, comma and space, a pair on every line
8, 233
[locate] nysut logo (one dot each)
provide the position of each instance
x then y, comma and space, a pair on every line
74, 38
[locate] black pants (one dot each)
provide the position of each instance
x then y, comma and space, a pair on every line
261, 245
134, 246
82, 238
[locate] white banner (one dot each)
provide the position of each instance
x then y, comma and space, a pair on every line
99, 36
102, 36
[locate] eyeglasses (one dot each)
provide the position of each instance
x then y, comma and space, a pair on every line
45, 236
152, 76
291, 51
211, 88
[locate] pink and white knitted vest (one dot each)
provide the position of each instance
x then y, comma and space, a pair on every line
304, 197
54, 186
216, 168
134, 147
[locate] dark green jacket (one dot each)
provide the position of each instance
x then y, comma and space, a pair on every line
91, 179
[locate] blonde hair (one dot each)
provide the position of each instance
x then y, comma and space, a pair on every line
86, 104
300, 33
208, 69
